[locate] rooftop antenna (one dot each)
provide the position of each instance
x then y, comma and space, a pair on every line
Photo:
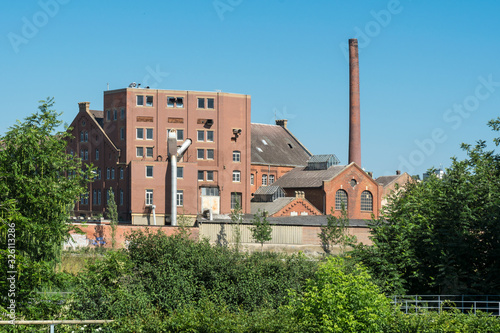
108, 85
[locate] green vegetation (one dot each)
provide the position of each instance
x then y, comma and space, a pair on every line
437, 236
112, 211
261, 230
442, 236
336, 232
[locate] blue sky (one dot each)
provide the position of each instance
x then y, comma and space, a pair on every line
429, 71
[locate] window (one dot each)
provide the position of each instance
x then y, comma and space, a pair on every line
180, 135
86, 154
140, 133
236, 176
264, 180
149, 197
98, 197
180, 198
98, 173
210, 191
86, 136
122, 114
236, 156
341, 200
108, 173
201, 175
180, 172
235, 200
175, 101
149, 100
108, 115
252, 179
271, 179
201, 103
139, 151
201, 135
149, 134
112, 173
121, 173
210, 154
210, 136
179, 102
149, 151
94, 197
170, 102
97, 154
115, 114
122, 133
210, 176
200, 154
140, 100
81, 136
366, 201
149, 171
210, 103
121, 197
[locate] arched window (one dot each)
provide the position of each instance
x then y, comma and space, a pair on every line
341, 200
366, 201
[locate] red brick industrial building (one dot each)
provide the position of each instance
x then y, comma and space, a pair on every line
127, 142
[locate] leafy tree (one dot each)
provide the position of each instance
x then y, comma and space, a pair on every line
336, 231
442, 235
340, 298
237, 219
112, 211
261, 230
39, 183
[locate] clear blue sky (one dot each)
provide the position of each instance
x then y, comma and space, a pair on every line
429, 70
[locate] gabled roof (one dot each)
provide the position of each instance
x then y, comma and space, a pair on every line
275, 145
271, 189
270, 207
301, 177
322, 158
386, 180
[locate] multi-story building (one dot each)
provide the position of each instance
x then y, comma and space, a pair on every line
127, 142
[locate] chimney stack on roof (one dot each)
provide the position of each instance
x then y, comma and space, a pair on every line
281, 122
84, 106
354, 114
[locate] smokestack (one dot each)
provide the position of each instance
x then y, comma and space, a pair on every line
354, 116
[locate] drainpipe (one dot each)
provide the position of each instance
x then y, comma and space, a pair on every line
153, 207
173, 153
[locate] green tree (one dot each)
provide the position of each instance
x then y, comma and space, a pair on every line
336, 232
39, 183
442, 235
261, 230
340, 298
112, 212
237, 219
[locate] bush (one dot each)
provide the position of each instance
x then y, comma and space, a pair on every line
340, 298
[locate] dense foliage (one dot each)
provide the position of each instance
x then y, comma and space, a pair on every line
442, 236
39, 184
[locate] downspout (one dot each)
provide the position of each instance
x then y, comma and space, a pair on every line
173, 153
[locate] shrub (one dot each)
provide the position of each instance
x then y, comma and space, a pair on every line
340, 298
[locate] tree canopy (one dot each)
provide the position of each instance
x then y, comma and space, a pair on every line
442, 236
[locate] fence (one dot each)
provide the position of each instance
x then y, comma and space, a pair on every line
53, 323
465, 303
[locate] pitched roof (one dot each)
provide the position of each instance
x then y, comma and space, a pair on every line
386, 180
97, 114
322, 158
300, 177
270, 207
271, 189
275, 145
301, 220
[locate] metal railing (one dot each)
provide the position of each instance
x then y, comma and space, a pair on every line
464, 303
53, 323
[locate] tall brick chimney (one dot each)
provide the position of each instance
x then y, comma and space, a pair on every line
354, 116
84, 106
